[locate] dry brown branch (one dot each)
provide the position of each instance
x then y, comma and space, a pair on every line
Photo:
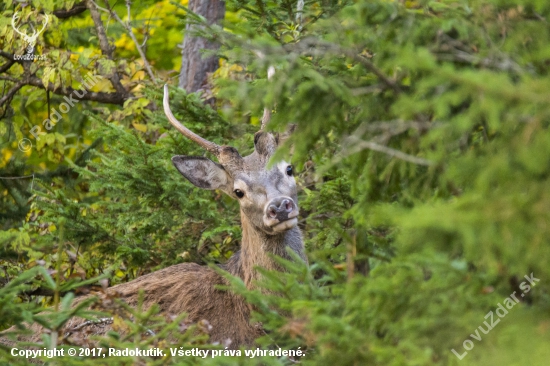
75, 10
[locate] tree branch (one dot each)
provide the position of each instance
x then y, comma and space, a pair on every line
359, 145
106, 49
9, 56
12, 92
9, 78
110, 98
128, 28
370, 66
310, 42
75, 10
7, 66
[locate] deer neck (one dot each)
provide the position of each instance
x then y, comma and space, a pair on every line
257, 249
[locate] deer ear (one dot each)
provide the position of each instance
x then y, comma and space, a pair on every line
202, 172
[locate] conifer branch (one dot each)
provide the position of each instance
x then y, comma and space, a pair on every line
359, 145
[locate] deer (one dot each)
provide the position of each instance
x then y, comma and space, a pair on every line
269, 220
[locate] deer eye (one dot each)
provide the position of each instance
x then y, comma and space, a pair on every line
239, 193
289, 171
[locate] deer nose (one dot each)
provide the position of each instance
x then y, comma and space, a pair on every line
280, 208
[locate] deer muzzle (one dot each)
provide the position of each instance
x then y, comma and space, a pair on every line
281, 214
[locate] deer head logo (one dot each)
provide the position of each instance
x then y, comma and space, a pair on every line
30, 40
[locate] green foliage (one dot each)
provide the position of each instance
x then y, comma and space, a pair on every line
422, 146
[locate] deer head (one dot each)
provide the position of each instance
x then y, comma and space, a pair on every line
267, 197
30, 40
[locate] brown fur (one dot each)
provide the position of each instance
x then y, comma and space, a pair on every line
190, 288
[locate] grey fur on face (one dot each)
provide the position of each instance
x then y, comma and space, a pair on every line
250, 181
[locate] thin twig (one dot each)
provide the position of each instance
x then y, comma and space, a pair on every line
394, 127
126, 25
90, 322
299, 13
357, 57
21, 177
359, 145
312, 46
106, 49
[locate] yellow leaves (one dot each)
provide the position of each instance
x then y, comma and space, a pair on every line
133, 73
412, 4
136, 108
227, 71
103, 85
163, 11
140, 127
125, 42
6, 155
85, 55
119, 325
33, 214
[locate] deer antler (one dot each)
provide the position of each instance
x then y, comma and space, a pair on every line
207, 145
267, 111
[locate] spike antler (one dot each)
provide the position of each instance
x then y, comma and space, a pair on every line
207, 145
267, 111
